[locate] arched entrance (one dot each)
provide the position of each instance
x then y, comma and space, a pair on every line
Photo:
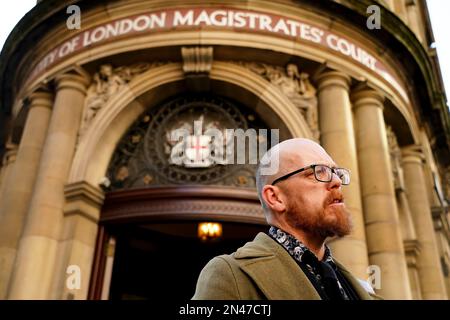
150, 238
158, 192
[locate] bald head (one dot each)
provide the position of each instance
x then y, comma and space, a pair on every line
286, 157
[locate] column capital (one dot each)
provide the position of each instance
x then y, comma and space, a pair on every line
84, 199
332, 78
362, 95
413, 154
412, 250
72, 80
41, 97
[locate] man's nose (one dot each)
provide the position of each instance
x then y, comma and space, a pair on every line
335, 182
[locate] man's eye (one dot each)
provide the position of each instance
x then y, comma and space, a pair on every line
321, 170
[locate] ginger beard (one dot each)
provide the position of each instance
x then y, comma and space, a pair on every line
328, 221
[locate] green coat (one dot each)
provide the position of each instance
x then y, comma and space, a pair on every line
261, 269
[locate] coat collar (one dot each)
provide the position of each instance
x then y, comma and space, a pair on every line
360, 291
276, 273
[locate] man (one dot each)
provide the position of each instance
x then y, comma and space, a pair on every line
304, 205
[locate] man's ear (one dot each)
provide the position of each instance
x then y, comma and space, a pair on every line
273, 198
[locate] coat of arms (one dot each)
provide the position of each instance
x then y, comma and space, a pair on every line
190, 146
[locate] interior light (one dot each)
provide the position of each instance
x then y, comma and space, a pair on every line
209, 230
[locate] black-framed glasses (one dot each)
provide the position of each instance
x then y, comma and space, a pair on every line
322, 173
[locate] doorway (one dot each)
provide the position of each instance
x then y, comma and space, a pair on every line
164, 260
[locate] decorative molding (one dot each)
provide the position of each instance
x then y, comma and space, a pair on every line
197, 59
72, 79
325, 77
83, 199
187, 202
42, 96
413, 153
363, 95
41, 99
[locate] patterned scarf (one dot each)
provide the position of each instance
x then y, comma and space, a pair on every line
323, 271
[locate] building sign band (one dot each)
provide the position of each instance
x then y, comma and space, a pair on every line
246, 20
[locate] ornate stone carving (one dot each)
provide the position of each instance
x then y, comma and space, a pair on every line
296, 85
396, 159
107, 82
150, 154
195, 151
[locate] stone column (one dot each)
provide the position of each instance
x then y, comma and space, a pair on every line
410, 243
383, 231
428, 263
9, 158
412, 249
20, 182
81, 215
35, 262
338, 138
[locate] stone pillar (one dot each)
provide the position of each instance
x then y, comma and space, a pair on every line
9, 158
410, 243
36, 257
412, 250
338, 138
408, 233
428, 263
20, 183
81, 215
383, 231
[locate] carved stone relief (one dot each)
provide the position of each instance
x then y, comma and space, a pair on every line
178, 143
107, 82
296, 85
396, 157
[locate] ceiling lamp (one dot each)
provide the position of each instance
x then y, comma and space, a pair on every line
209, 230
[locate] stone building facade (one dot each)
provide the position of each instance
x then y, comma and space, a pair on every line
98, 199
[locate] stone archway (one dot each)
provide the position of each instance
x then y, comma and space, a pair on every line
84, 197
93, 153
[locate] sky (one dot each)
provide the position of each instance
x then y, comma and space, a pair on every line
10, 14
